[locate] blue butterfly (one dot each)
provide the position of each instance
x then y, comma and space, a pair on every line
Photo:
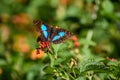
51, 34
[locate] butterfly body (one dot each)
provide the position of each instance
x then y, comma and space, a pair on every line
50, 34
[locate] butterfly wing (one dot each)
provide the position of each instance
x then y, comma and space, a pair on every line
44, 29
51, 34
59, 35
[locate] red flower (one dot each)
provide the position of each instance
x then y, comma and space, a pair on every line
43, 45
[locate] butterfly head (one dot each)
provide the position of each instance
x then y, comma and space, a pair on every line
36, 22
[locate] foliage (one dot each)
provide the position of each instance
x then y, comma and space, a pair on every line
91, 54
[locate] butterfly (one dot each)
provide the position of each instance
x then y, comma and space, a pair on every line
50, 34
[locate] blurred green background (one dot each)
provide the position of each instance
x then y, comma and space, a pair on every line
92, 54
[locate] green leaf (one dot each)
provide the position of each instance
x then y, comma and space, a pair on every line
30, 76
48, 69
58, 61
51, 60
2, 48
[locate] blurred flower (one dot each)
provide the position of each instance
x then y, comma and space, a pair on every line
103, 48
21, 19
76, 50
64, 2
75, 41
73, 38
20, 44
76, 44
4, 33
5, 17
34, 55
112, 59
1, 71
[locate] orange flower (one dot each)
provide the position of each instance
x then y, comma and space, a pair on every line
75, 41
5, 32
20, 44
65, 2
1, 71
34, 55
73, 38
76, 44
21, 19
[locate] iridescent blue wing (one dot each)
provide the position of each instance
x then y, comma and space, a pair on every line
51, 34
44, 30
59, 35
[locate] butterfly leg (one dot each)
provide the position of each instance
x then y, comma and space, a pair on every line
48, 49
